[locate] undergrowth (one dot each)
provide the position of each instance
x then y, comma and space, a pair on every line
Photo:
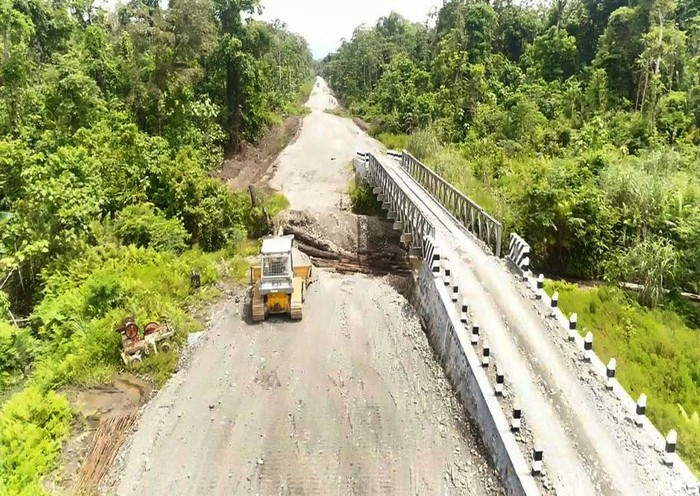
72, 341
298, 106
657, 353
362, 199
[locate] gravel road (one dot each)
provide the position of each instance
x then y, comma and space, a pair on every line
349, 401
590, 446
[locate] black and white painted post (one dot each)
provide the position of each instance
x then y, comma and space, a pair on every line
573, 320
526, 268
670, 449
610, 374
588, 347
475, 333
435, 263
641, 410
537, 456
447, 276
500, 381
554, 303
540, 287
455, 294
464, 317
485, 354
517, 416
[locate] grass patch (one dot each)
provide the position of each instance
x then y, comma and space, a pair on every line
362, 199
656, 352
158, 367
276, 203
298, 106
339, 112
392, 141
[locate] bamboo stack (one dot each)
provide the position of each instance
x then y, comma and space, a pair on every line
107, 441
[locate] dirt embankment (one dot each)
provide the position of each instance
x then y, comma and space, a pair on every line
254, 164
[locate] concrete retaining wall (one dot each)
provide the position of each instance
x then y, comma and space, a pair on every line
450, 341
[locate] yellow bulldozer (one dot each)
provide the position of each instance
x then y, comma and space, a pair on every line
279, 284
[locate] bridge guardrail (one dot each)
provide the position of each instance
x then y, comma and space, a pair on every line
414, 223
469, 213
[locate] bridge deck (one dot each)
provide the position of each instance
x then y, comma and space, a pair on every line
588, 444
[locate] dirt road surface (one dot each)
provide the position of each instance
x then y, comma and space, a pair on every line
349, 401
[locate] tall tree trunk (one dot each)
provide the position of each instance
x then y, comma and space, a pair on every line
5, 45
657, 68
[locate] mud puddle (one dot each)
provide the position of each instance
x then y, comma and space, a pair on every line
94, 406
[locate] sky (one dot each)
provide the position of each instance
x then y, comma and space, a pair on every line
325, 22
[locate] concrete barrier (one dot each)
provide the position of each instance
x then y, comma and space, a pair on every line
462, 365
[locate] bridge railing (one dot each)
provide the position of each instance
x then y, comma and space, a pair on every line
469, 213
414, 223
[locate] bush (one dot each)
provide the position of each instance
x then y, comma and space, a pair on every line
145, 226
33, 424
363, 200
17, 350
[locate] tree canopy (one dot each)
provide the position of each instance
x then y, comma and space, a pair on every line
576, 122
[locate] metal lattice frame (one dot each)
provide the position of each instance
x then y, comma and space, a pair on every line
414, 225
470, 214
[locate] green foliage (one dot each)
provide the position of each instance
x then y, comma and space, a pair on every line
363, 200
574, 125
656, 353
17, 351
144, 226
276, 203
650, 263
33, 425
110, 127
392, 141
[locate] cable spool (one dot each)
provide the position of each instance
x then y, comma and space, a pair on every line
131, 330
151, 328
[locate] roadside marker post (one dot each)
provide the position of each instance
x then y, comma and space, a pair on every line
475, 333
540, 287
486, 354
537, 455
555, 303
670, 449
588, 347
463, 316
610, 374
572, 327
500, 380
517, 415
641, 410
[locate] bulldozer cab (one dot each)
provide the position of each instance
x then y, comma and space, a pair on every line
277, 266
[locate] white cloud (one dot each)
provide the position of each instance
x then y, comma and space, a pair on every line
325, 22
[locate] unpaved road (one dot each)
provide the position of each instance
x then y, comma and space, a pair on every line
349, 401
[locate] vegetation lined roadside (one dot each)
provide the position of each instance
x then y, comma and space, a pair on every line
657, 353
111, 125
577, 125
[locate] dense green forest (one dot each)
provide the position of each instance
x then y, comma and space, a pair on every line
111, 124
577, 124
